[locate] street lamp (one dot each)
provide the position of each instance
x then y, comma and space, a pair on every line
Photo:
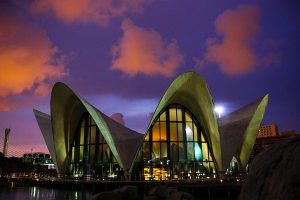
219, 110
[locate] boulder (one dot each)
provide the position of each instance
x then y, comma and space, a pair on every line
274, 173
181, 196
107, 196
128, 192
160, 192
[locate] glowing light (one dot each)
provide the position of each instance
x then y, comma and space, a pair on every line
188, 130
219, 110
198, 152
189, 133
76, 195
112, 175
34, 193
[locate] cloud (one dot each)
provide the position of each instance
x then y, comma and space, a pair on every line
14, 102
239, 28
42, 89
118, 117
96, 11
271, 58
273, 55
136, 110
198, 63
130, 107
274, 43
29, 62
142, 51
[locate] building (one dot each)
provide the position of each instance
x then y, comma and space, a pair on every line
38, 158
270, 136
6, 140
183, 140
270, 130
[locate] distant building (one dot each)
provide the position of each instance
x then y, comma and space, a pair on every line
267, 136
6, 139
270, 130
288, 133
38, 158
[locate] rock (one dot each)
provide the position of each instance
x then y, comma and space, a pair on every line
171, 190
128, 192
160, 191
181, 196
274, 173
107, 196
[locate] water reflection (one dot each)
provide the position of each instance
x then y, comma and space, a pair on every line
16, 191
34, 193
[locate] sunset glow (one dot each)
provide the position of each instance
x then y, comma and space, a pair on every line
122, 55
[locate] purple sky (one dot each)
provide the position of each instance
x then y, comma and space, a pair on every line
122, 56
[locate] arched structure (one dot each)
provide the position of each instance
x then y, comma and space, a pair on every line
191, 91
238, 132
44, 122
175, 147
182, 140
67, 113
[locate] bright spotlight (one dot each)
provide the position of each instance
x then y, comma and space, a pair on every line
219, 110
188, 131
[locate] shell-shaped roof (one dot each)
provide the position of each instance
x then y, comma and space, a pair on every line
66, 111
190, 90
238, 132
44, 122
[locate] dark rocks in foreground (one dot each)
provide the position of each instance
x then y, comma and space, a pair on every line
274, 173
129, 192
107, 196
167, 193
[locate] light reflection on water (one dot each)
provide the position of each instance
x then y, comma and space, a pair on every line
17, 191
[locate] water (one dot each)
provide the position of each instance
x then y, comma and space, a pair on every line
22, 191
25, 191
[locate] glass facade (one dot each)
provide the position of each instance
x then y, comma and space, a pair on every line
90, 154
174, 148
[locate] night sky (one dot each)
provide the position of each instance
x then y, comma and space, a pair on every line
122, 55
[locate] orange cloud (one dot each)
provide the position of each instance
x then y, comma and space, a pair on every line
238, 28
13, 102
142, 51
97, 11
5, 105
28, 59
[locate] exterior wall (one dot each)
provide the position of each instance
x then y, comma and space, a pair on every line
270, 130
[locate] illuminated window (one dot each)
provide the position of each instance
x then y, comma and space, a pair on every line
174, 148
89, 153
